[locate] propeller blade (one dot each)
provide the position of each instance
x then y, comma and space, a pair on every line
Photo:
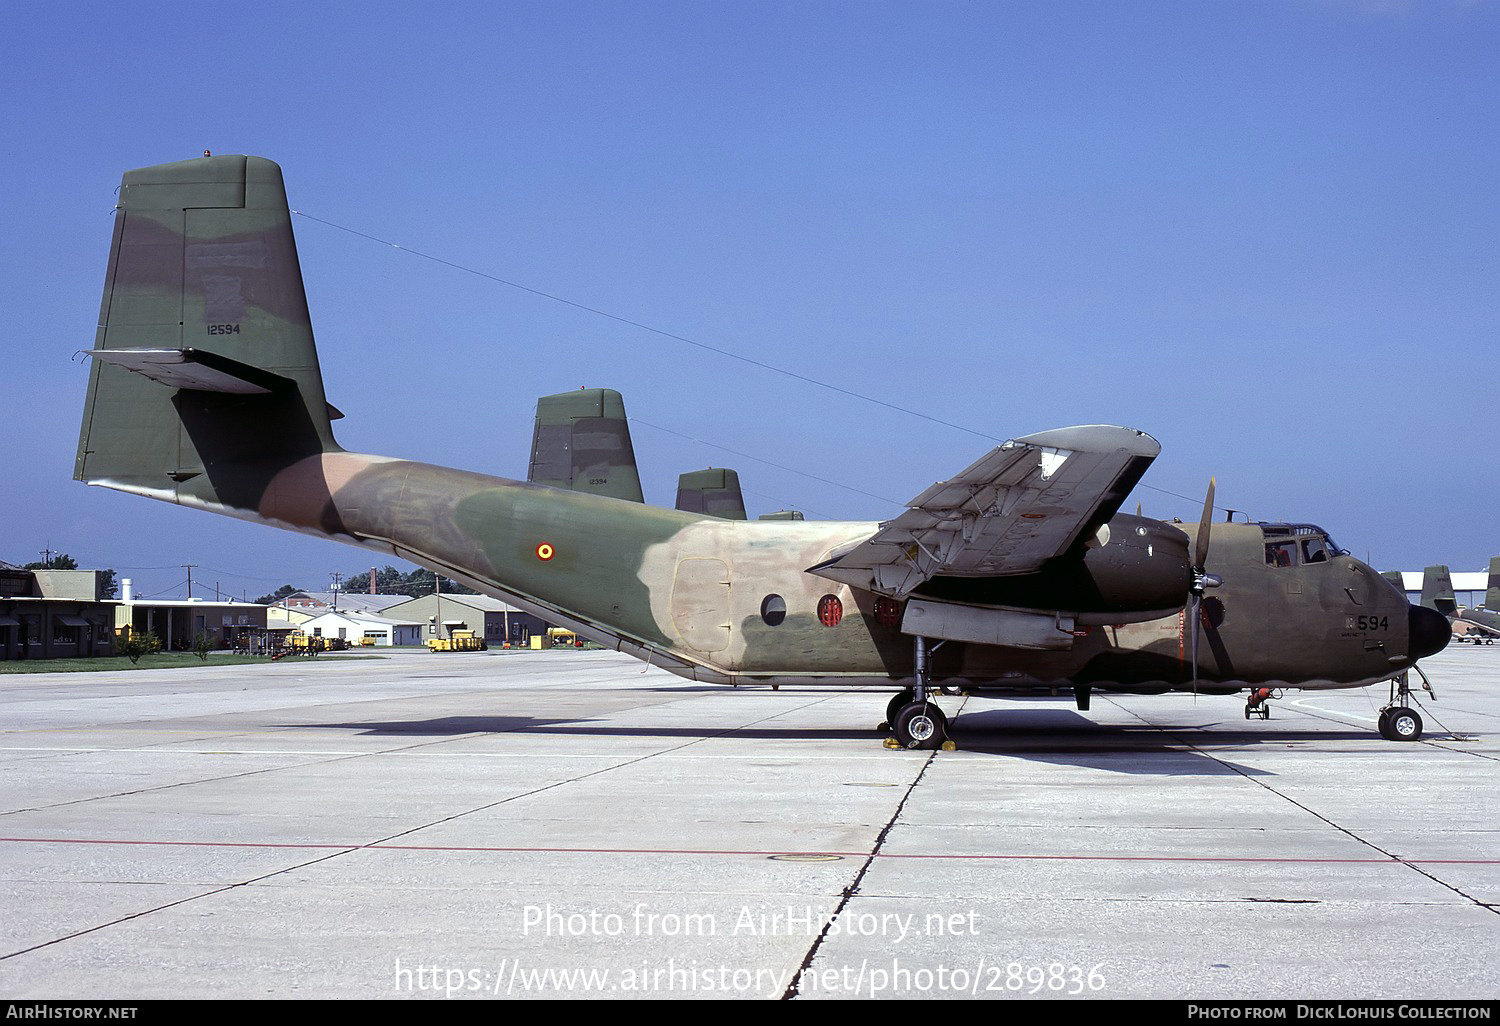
1200, 552
1197, 622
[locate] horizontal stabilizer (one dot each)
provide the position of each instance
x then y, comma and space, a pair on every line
194, 369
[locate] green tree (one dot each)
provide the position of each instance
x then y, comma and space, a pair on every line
390, 581
108, 586
139, 643
277, 595
61, 561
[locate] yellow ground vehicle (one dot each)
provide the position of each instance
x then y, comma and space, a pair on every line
302, 643
459, 641
561, 637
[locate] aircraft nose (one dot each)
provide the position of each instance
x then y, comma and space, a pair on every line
1427, 631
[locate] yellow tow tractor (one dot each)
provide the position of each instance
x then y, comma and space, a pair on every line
561, 637
459, 641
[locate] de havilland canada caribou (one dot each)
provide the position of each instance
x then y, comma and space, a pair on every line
1018, 572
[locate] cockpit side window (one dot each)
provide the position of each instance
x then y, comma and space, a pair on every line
1281, 553
1314, 551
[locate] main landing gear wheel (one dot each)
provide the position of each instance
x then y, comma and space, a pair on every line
1400, 724
920, 725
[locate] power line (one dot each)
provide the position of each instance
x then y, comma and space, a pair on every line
692, 342
757, 459
646, 327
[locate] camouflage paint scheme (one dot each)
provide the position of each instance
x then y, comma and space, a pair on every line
714, 491
1437, 590
582, 442
205, 391
1484, 621
1474, 623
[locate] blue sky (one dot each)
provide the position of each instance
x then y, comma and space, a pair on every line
1264, 232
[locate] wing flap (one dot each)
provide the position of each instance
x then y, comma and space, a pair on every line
1021, 504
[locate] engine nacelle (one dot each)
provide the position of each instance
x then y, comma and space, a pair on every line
1137, 570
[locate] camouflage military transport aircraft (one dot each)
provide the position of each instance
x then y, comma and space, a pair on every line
1478, 624
1482, 623
1018, 572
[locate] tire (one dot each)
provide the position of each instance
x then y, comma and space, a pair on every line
893, 707
1404, 725
920, 725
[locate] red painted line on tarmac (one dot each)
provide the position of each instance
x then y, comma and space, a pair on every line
723, 851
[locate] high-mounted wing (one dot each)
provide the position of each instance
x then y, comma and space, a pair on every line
1021, 504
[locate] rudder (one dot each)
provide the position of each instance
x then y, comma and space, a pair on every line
715, 492
205, 379
582, 443
1437, 590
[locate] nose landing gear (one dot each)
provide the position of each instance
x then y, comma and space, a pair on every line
1398, 721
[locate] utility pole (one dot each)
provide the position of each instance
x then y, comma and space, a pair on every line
189, 567
337, 580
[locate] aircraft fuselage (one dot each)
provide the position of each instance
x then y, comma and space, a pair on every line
731, 601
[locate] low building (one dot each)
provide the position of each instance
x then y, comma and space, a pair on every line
178, 622
53, 614
296, 616
489, 618
364, 628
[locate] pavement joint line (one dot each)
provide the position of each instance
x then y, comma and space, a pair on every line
335, 759
1414, 865
162, 908
593, 773
794, 987
1433, 742
339, 850
351, 846
106, 725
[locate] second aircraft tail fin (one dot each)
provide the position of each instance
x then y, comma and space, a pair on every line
582, 442
1437, 590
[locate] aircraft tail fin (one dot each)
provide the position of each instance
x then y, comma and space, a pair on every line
205, 379
1492, 594
1437, 590
582, 442
715, 492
